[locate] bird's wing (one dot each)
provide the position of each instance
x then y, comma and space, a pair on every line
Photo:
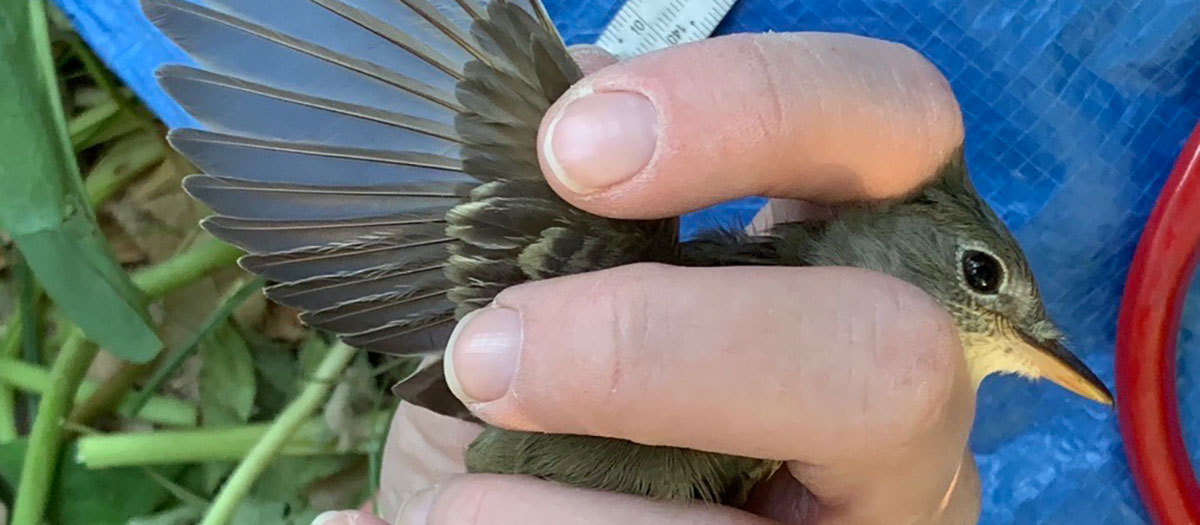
377, 158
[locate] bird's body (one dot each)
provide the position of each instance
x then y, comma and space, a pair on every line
617, 465
378, 161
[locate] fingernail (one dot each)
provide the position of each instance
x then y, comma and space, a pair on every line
416, 509
481, 356
601, 139
329, 518
346, 517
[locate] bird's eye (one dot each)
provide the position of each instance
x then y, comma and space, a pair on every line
982, 271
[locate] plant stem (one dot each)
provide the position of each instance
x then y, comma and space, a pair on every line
35, 379
10, 348
180, 492
311, 438
84, 125
47, 436
109, 394
121, 164
292, 417
101, 76
184, 268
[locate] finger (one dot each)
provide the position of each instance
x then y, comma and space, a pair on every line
347, 517
814, 116
855, 374
918, 486
508, 500
655, 353
422, 449
591, 58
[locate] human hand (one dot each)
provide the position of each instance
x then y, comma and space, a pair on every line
856, 378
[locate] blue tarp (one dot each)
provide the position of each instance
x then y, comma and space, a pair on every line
1075, 111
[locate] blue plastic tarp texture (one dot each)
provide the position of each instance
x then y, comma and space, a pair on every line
1075, 111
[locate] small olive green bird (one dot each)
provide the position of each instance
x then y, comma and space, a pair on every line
377, 160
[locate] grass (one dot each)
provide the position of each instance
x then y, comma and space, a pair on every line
143, 376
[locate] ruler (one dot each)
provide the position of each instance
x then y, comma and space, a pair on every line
642, 26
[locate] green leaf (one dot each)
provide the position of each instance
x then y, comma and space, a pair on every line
276, 371
42, 202
226, 378
196, 478
175, 358
259, 512
182, 515
87, 496
226, 389
287, 477
311, 353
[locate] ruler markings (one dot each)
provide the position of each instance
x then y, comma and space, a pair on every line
642, 26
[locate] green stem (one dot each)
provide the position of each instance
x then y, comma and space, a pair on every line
82, 126
184, 268
311, 438
32, 336
179, 491
121, 164
21, 337
47, 436
9, 349
109, 394
292, 417
36, 380
101, 76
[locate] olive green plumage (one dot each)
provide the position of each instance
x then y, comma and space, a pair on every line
617, 465
378, 162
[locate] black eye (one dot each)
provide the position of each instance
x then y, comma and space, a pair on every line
982, 271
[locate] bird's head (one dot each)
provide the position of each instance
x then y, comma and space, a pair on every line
947, 241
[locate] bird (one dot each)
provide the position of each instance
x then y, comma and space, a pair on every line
377, 161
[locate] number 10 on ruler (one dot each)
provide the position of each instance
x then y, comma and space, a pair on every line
642, 26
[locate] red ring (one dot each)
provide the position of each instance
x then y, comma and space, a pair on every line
1148, 403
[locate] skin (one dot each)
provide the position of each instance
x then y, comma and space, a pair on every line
874, 433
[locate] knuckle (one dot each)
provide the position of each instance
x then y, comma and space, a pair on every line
626, 303
771, 117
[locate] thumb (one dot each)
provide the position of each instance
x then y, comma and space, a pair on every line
813, 116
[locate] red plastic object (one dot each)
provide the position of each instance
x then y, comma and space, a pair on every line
1147, 329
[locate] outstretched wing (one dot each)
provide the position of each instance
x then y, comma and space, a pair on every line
377, 158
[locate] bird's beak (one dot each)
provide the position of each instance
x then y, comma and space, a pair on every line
1059, 365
